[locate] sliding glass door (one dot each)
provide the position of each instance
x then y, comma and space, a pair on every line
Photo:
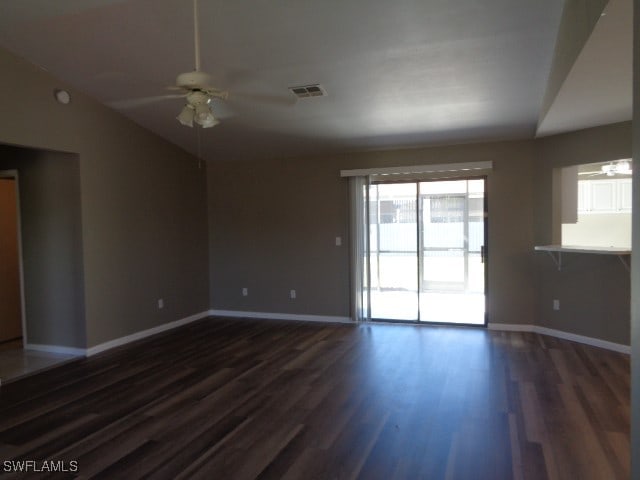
393, 244
426, 251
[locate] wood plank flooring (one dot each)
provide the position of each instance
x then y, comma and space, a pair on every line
245, 399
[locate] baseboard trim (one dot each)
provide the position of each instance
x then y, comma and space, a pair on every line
574, 337
280, 316
595, 342
511, 327
117, 342
58, 349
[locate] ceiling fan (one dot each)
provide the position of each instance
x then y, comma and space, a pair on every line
194, 86
621, 167
197, 88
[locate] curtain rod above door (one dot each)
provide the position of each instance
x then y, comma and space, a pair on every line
469, 167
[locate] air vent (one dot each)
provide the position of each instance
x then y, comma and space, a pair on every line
307, 91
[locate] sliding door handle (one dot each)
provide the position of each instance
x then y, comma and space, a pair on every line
483, 254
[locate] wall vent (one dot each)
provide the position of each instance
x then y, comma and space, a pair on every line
307, 91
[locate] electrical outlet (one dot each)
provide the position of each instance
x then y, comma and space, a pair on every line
556, 304
292, 294
338, 241
245, 291
160, 303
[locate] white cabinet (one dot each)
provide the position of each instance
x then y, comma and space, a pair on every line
624, 195
604, 196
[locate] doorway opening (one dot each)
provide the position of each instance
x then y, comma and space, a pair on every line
51, 289
12, 324
426, 256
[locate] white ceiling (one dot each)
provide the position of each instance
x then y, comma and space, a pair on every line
398, 74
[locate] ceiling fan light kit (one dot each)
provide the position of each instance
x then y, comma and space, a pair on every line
197, 110
186, 116
204, 116
200, 114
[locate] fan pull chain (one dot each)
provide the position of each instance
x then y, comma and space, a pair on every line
199, 146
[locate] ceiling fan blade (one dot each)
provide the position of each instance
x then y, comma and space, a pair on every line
139, 102
278, 100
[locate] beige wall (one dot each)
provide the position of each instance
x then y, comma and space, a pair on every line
593, 290
10, 308
272, 229
143, 204
273, 226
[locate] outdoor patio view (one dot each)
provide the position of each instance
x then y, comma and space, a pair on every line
426, 244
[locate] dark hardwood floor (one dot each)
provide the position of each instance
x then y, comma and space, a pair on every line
243, 399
